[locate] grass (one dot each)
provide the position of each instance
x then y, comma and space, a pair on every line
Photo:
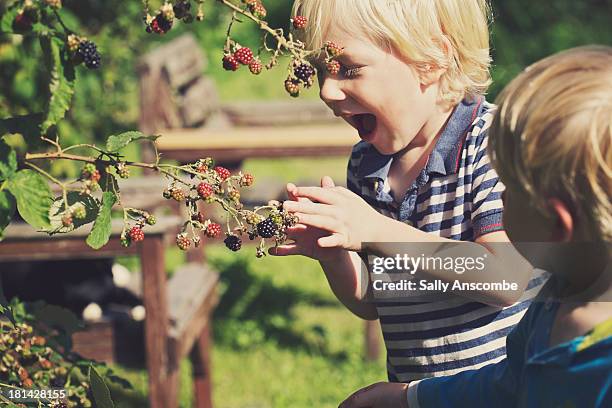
281, 338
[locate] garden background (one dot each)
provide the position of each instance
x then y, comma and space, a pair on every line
281, 338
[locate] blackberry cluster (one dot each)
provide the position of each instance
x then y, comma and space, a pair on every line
90, 55
266, 228
181, 9
233, 243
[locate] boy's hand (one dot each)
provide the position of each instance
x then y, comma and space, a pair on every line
338, 210
379, 395
306, 237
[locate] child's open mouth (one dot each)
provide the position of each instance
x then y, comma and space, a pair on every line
366, 124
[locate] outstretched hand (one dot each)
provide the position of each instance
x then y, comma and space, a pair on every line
345, 218
305, 238
379, 395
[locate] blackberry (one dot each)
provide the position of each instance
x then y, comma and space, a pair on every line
161, 24
304, 72
258, 9
177, 194
234, 195
333, 67
233, 243
292, 86
300, 22
183, 242
213, 230
89, 53
205, 190
95, 176
277, 218
181, 8
222, 172
136, 234
67, 220
244, 55
253, 218
79, 211
256, 67
88, 170
247, 180
150, 219
333, 49
266, 228
230, 63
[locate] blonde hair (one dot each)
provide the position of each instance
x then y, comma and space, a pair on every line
448, 34
552, 135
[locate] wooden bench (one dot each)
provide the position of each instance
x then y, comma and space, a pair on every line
178, 315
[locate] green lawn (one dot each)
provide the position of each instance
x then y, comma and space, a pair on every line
281, 338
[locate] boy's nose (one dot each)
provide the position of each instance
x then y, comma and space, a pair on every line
330, 90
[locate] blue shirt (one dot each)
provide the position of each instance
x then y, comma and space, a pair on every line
577, 373
457, 196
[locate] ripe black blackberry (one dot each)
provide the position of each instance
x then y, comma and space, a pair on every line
304, 72
181, 8
233, 242
266, 228
89, 52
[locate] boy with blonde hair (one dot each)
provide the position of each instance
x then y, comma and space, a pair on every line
551, 143
411, 78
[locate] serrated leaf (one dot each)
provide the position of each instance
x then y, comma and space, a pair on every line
33, 197
7, 210
115, 143
6, 24
57, 210
8, 161
26, 125
108, 182
61, 84
56, 317
101, 394
101, 231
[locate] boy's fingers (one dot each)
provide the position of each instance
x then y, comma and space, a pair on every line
321, 195
361, 398
331, 241
319, 221
308, 208
327, 182
284, 250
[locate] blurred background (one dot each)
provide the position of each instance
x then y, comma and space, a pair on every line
280, 337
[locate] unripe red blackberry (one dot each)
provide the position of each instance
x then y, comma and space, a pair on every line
299, 22
304, 72
244, 55
333, 67
266, 228
256, 67
161, 24
27, 383
136, 234
205, 190
88, 170
233, 195
233, 242
230, 63
333, 49
247, 180
222, 172
213, 230
46, 364
292, 86
22, 22
177, 194
95, 176
183, 242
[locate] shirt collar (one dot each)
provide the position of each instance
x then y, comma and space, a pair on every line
445, 155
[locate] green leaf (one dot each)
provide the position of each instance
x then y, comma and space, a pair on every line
108, 182
56, 317
8, 161
7, 210
101, 231
101, 394
115, 143
33, 197
26, 125
61, 84
75, 199
6, 24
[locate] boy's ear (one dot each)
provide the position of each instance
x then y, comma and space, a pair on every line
564, 227
432, 73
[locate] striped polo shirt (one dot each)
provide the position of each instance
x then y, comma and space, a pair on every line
457, 196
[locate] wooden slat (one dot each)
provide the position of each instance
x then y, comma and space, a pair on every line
279, 113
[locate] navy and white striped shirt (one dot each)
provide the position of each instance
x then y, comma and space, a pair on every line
457, 196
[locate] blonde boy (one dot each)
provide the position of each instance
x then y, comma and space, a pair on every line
551, 143
412, 74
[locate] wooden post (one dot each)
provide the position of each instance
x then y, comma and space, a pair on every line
156, 323
200, 359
